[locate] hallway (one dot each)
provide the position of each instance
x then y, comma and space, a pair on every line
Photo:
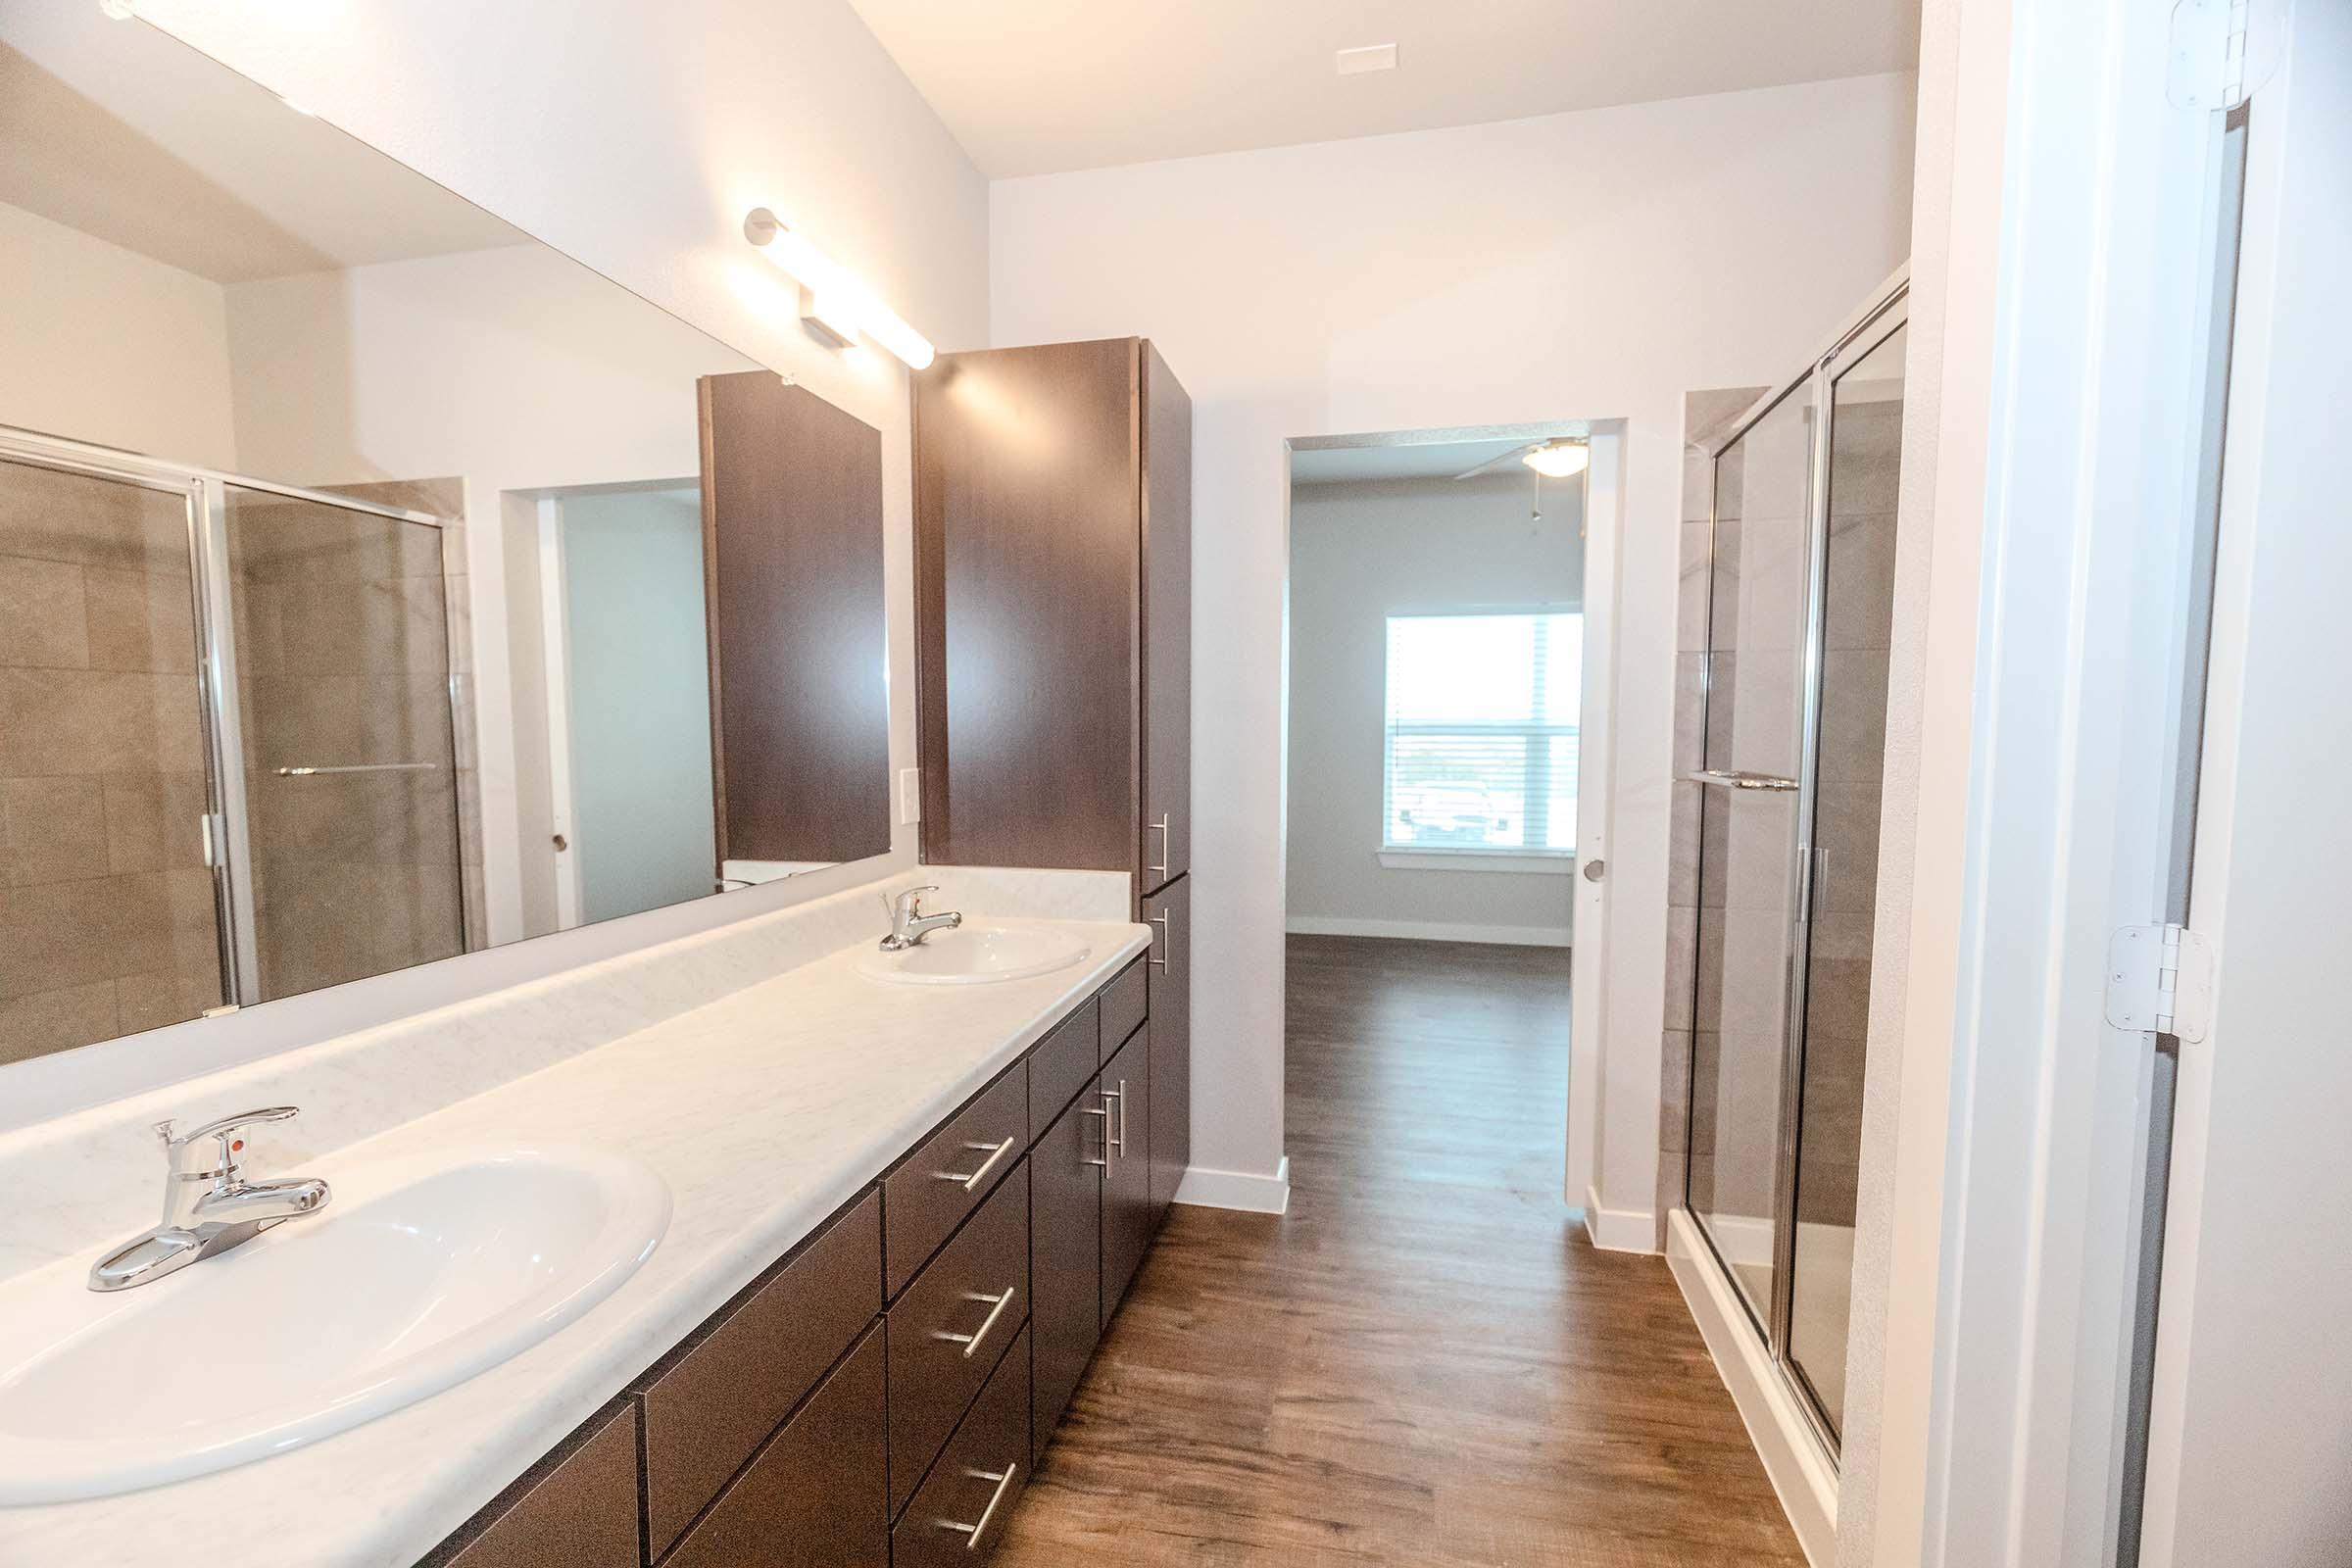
1424, 1362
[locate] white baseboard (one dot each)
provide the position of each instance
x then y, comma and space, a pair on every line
1800, 1472
1245, 1191
1619, 1229
1509, 936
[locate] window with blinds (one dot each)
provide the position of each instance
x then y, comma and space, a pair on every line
1482, 732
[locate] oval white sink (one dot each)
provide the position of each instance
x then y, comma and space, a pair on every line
421, 1272
975, 954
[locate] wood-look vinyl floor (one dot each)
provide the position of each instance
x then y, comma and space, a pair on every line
1424, 1362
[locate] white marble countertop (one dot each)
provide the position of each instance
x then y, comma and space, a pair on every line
764, 1111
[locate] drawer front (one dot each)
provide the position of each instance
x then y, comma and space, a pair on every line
960, 1513
1125, 1001
1063, 1062
947, 1330
814, 1498
952, 1173
707, 1411
582, 1513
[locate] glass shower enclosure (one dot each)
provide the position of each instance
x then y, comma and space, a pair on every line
1800, 595
228, 748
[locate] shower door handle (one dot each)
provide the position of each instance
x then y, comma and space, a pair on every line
1594, 869
1734, 778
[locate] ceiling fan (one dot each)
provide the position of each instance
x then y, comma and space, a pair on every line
1556, 457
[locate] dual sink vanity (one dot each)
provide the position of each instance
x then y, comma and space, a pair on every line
821, 1262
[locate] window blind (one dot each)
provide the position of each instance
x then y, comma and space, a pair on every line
1482, 732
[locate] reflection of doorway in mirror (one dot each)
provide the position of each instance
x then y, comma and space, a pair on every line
627, 699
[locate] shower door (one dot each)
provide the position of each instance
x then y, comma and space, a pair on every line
1800, 599
226, 742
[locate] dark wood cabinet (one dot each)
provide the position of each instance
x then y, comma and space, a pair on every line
1169, 964
1127, 1215
578, 1508
884, 1390
1065, 1259
814, 1497
959, 1515
1053, 515
715, 1400
949, 1327
792, 577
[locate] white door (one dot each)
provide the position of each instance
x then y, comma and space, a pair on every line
1587, 956
2250, 1430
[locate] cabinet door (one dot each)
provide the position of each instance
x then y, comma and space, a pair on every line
1127, 1177
1028, 582
579, 1512
1168, 549
814, 1497
1066, 1260
1170, 911
792, 571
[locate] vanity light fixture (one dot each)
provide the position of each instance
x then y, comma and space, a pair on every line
1558, 460
834, 304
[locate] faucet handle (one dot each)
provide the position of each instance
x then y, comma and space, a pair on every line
910, 900
225, 1129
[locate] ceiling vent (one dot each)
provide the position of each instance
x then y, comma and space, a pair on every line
1371, 57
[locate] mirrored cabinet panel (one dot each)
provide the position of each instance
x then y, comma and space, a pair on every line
377, 584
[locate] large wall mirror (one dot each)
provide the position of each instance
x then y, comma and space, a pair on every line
376, 583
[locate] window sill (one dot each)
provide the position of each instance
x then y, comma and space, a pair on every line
1542, 864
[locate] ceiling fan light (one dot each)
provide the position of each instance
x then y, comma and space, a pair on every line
1558, 460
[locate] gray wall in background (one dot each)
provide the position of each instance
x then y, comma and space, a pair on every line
1360, 552
640, 700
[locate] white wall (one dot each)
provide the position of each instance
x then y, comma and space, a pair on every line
1591, 265
1361, 552
632, 137
106, 345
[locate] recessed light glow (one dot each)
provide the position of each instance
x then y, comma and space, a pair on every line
1559, 459
120, 10
832, 297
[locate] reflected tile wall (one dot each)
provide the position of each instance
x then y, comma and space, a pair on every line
107, 922
343, 625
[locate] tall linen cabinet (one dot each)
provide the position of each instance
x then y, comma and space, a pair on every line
1053, 523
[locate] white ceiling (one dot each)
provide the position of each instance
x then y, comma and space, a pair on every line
121, 132
1039, 86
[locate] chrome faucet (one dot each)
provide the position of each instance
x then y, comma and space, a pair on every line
208, 1207
908, 924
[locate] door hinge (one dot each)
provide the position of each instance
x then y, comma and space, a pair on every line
2209, 66
2159, 980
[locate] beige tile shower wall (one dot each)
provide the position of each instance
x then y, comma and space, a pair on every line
344, 659
1705, 416
106, 908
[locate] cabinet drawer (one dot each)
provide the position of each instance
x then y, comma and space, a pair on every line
1124, 1002
1062, 1063
952, 1173
959, 1513
947, 1330
712, 1407
814, 1497
578, 1512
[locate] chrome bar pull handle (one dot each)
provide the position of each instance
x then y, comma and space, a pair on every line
970, 1180
1161, 920
973, 1532
1160, 828
1103, 1116
995, 1309
1114, 1143
1733, 778
1122, 1118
